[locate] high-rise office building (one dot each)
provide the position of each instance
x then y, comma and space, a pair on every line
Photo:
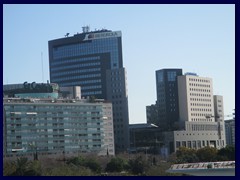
196, 120
167, 98
152, 114
199, 125
93, 60
195, 98
230, 132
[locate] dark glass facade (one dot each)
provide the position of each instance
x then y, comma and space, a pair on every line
91, 60
167, 98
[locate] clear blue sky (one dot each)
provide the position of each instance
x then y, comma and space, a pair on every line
196, 38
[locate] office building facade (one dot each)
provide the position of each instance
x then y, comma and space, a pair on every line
198, 120
152, 114
230, 132
144, 138
167, 98
199, 126
195, 99
93, 60
60, 125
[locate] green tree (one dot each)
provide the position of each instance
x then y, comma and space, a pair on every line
34, 168
21, 167
207, 154
186, 155
25, 168
93, 165
138, 165
68, 170
77, 161
227, 153
116, 164
9, 168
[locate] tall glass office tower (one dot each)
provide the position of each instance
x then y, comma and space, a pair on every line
93, 60
167, 98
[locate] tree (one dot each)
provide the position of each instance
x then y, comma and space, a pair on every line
116, 164
77, 161
138, 165
207, 154
25, 168
186, 155
93, 165
9, 168
21, 167
88, 163
227, 153
34, 168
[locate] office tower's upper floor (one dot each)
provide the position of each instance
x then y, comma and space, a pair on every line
167, 97
195, 98
218, 108
83, 59
152, 114
230, 132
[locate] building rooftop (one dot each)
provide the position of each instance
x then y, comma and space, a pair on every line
50, 100
144, 125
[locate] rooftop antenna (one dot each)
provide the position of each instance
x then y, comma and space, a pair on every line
85, 29
42, 67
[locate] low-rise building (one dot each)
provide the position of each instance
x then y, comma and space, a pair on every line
57, 125
145, 138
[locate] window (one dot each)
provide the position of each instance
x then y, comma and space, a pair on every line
160, 76
171, 75
199, 144
184, 144
177, 144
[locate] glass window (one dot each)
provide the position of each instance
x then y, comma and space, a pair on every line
160, 76
171, 75
184, 144
177, 144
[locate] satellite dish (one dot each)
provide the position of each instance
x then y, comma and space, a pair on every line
66, 34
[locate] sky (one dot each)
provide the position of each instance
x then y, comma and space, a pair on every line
196, 38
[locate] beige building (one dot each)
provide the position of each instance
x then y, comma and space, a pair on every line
195, 99
200, 115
